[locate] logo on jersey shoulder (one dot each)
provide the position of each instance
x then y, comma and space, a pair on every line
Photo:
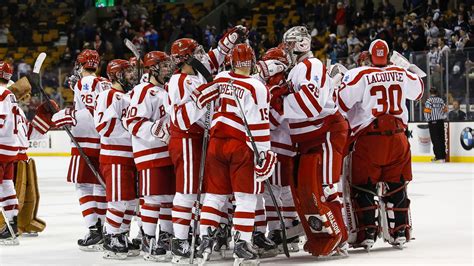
189, 82
346, 78
153, 92
467, 141
316, 78
85, 87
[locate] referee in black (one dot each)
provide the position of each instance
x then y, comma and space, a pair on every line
435, 113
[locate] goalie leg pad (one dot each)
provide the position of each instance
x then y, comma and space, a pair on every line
27, 217
321, 220
397, 208
366, 210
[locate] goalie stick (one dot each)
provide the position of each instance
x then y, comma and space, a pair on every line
267, 183
37, 82
205, 141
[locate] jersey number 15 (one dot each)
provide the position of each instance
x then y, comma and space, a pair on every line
388, 99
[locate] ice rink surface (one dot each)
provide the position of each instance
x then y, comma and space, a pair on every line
442, 212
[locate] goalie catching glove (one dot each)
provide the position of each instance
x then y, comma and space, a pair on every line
231, 38
65, 117
266, 165
161, 130
42, 120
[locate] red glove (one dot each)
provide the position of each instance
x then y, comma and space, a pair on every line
277, 79
267, 164
42, 120
231, 38
205, 94
65, 117
276, 97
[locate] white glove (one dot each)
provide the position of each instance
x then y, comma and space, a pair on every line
64, 117
205, 94
266, 167
399, 60
269, 68
230, 39
161, 130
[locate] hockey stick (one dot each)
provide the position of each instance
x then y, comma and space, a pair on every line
207, 124
135, 53
37, 81
259, 162
10, 229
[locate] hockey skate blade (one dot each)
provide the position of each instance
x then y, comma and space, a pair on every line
109, 255
178, 260
10, 242
29, 234
92, 248
157, 258
242, 262
133, 253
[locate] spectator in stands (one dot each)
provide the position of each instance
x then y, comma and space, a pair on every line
4, 31
340, 19
456, 114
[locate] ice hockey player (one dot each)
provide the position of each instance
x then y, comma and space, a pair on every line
272, 70
231, 165
116, 160
373, 98
320, 132
187, 127
148, 122
12, 124
364, 59
80, 117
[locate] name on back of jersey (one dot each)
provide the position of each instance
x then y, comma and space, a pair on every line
384, 77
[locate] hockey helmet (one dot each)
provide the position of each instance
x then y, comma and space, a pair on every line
89, 59
277, 54
184, 49
242, 55
6, 70
160, 65
297, 41
120, 71
379, 52
364, 59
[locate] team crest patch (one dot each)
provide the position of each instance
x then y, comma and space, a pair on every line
380, 52
85, 87
346, 78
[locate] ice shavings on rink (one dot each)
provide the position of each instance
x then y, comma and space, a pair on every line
442, 212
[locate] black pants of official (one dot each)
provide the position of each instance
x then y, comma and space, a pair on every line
437, 138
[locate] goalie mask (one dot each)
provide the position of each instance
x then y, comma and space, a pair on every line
120, 71
88, 59
297, 42
160, 66
242, 55
183, 50
379, 52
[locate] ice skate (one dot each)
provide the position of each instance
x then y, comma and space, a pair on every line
94, 240
399, 239
205, 249
6, 238
181, 252
115, 247
133, 249
152, 250
222, 240
369, 241
275, 236
138, 239
265, 247
164, 239
244, 254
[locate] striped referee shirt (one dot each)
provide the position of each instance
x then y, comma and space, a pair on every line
435, 109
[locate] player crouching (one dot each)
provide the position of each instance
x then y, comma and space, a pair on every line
231, 166
373, 99
116, 160
148, 122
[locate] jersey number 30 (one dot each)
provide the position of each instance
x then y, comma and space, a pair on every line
387, 99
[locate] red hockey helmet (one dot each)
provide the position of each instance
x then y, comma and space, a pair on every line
160, 65
89, 59
6, 70
183, 49
364, 59
242, 56
116, 70
154, 57
277, 54
379, 52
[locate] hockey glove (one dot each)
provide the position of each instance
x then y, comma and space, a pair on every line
276, 97
264, 168
43, 118
231, 38
65, 117
161, 130
205, 94
268, 68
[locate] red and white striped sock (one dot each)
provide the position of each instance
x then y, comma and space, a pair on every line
260, 218
288, 206
129, 213
101, 201
273, 221
211, 213
166, 207
114, 217
87, 203
150, 212
182, 214
244, 216
8, 199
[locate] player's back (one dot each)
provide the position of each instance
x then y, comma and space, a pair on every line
370, 92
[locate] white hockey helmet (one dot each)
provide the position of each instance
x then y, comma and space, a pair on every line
297, 41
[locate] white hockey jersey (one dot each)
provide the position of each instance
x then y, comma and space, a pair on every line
368, 92
115, 140
187, 120
312, 100
26, 132
9, 115
254, 98
86, 92
280, 136
149, 103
